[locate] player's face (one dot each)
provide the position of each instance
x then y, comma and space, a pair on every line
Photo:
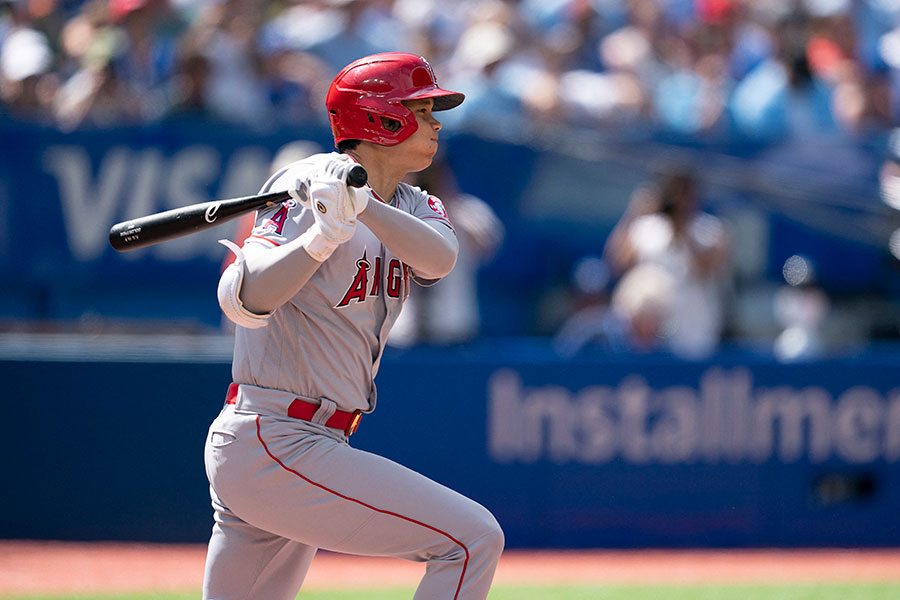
421, 146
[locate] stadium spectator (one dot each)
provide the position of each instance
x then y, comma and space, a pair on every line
94, 95
189, 84
592, 322
227, 33
801, 307
27, 86
673, 259
144, 38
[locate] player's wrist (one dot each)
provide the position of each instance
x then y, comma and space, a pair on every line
317, 244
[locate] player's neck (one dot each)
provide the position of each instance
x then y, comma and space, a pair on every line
383, 173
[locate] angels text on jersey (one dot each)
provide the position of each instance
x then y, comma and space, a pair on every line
373, 278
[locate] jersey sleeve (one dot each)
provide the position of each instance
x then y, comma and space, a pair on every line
429, 208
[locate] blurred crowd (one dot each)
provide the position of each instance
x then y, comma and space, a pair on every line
761, 68
764, 70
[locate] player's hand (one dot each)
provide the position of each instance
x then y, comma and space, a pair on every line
328, 203
355, 200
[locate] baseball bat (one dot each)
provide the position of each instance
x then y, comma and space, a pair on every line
179, 222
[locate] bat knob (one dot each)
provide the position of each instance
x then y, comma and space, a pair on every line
357, 177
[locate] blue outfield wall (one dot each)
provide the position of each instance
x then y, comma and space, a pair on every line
599, 452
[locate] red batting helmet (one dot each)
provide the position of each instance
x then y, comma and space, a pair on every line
374, 87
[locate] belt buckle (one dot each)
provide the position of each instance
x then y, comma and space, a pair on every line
351, 427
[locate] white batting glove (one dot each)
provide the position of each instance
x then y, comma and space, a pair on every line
356, 200
328, 203
326, 198
334, 206
331, 227
353, 201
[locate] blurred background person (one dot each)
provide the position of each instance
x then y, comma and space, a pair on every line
227, 35
145, 35
189, 86
592, 323
363, 27
642, 309
110, 78
665, 227
27, 83
801, 307
479, 62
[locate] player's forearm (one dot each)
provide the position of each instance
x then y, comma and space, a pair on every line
430, 251
273, 275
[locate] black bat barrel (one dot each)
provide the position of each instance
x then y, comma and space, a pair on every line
178, 222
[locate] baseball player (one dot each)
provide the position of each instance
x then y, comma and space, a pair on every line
313, 294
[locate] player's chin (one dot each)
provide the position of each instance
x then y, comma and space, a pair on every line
426, 157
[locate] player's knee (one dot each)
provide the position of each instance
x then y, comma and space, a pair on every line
492, 540
485, 539
498, 538
481, 540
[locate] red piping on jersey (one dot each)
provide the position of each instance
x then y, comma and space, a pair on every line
377, 197
265, 239
369, 506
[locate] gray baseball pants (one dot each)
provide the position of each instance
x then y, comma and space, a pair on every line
283, 488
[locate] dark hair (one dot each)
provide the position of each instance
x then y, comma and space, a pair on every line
345, 146
676, 185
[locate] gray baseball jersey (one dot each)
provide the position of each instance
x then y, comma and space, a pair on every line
284, 487
328, 340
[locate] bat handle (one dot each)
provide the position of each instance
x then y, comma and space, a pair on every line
357, 177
